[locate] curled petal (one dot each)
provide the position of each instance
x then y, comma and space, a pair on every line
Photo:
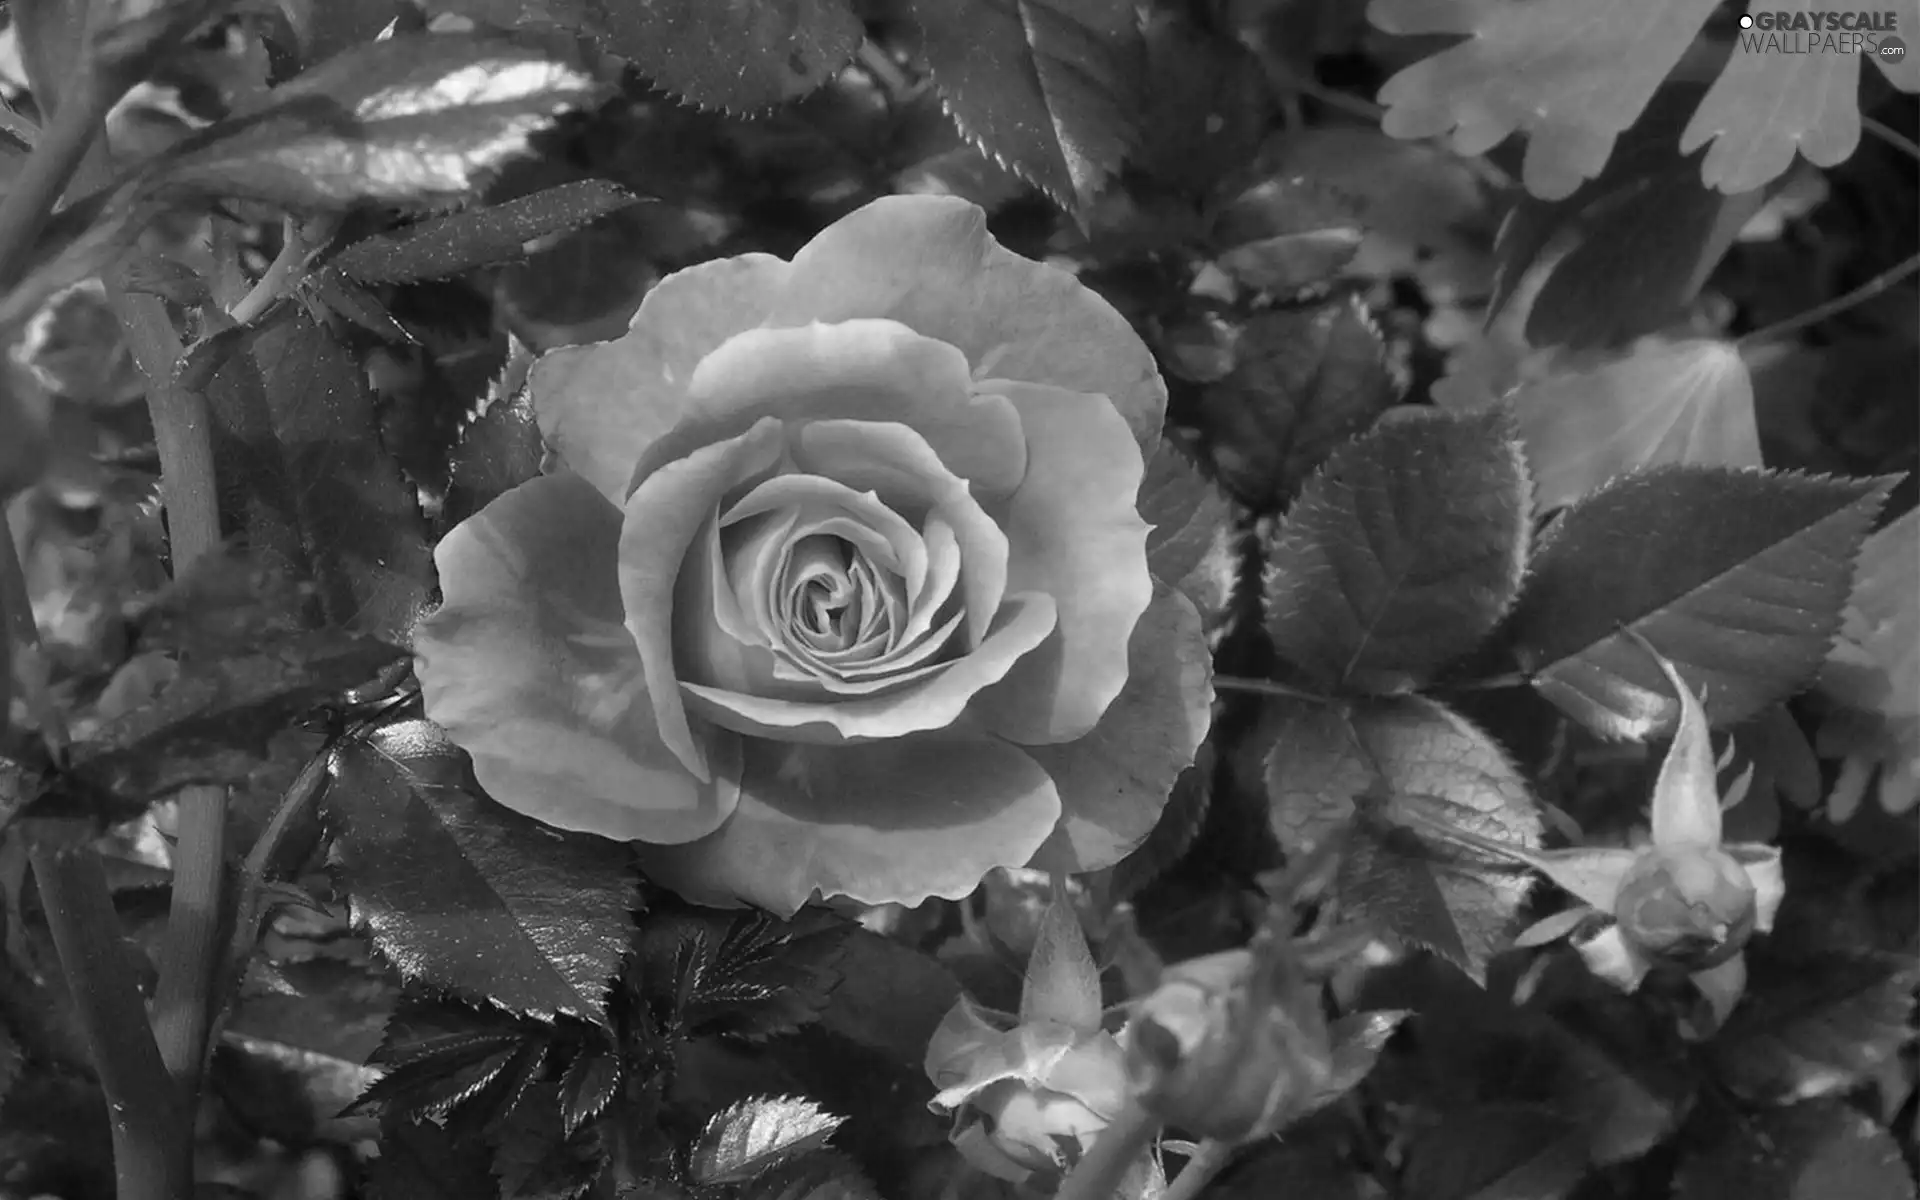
889, 822
929, 263
1764, 871
601, 406
527, 666
971, 1049
860, 370
1609, 955
1074, 534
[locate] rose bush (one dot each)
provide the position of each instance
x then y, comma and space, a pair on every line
836, 582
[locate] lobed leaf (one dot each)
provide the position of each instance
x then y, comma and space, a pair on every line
438, 247
1744, 595
469, 897
749, 1138
1401, 554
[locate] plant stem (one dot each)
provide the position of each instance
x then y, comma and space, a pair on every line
152, 1150
1267, 687
273, 283
1208, 1160
253, 872
1839, 304
1892, 137
56, 156
1100, 1173
18, 629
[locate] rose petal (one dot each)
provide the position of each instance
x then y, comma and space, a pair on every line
662, 521
1768, 877
1609, 955
855, 370
929, 703
929, 263
889, 822
527, 667
1686, 796
1094, 1072
1114, 782
600, 406
1075, 535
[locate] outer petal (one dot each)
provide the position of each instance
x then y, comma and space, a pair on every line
1114, 782
929, 263
1686, 796
891, 822
1072, 532
1768, 876
1094, 1072
662, 519
855, 370
601, 406
1613, 958
527, 666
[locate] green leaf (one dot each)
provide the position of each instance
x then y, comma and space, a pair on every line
1737, 577
1496, 1152
536, 1159
1549, 69
469, 897
1302, 382
1395, 763
438, 247
304, 474
1045, 87
1818, 1151
1646, 235
1401, 554
749, 1138
1659, 401
500, 448
323, 28
414, 121
1815, 1025
588, 1086
891, 997
745, 975
422, 1161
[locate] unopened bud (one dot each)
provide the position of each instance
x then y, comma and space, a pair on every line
1692, 906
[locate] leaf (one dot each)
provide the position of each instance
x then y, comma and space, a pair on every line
1186, 514
412, 121
1286, 235
1645, 233
1357, 1040
1656, 402
1818, 1151
1401, 554
1815, 1025
1736, 576
1205, 105
1296, 1168
588, 1085
891, 997
1571, 76
304, 474
469, 897
438, 247
438, 1057
536, 1160
1045, 87
745, 975
825, 1175
422, 1161
751, 1137
1425, 764
1302, 382
1496, 1152
1874, 670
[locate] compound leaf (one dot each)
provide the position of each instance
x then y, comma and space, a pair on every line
745, 975
1737, 576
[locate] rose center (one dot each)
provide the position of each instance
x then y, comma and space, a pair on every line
832, 594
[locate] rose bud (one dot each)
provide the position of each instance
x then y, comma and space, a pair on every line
1689, 905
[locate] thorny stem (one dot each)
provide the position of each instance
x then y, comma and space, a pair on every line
1839, 304
1208, 1160
1099, 1175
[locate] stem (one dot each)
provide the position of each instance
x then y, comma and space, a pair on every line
1098, 1176
1839, 304
1267, 687
273, 284
1492, 683
1208, 1161
56, 156
887, 73
1892, 137
253, 872
152, 1150
20, 629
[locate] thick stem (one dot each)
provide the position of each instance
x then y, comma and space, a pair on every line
1100, 1173
1208, 1160
152, 1150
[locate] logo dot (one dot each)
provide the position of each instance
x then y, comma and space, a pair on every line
1746, 22
1892, 49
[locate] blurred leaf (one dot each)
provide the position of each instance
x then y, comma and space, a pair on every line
1303, 381
290, 1064
1743, 594
1496, 1152
464, 895
1174, 833
1548, 69
1401, 554
422, 1161
1874, 670
1204, 108
304, 474
1816, 1025
1046, 87
1655, 402
1818, 1151
535, 1159
745, 975
891, 997
826, 1175
1062, 980
323, 28
438, 247
11, 1060
1357, 1040
1296, 1168
412, 121
1285, 235
1394, 761
752, 1137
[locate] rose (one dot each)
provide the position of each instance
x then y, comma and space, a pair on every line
839, 585
1692, 906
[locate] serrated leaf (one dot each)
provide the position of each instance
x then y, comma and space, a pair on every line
464, 895
1174, 833
412, 121
752, 1137
1496, 1152
303, 472
1874, 670
1818, 1151
1571, 77
747, 975
439, 247
1186, 514
588, 1085
435, 1056
1738, 577
536, 1160
1399, 763
1044, 86
1302, 382
1401, 554
1659, 401
1815, 1026
422, 1161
